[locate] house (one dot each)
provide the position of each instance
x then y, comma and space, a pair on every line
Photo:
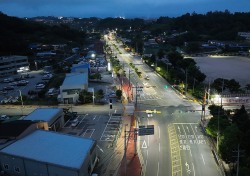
72, 85
47, 118
49, 153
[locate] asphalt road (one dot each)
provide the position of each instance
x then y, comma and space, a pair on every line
178, 146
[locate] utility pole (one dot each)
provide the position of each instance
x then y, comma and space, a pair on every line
186, 83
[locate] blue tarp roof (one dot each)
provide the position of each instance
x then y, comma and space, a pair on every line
51, 147
43, 114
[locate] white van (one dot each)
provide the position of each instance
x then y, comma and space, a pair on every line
52, 92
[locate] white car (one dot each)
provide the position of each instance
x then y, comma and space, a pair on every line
150, 114
74, 123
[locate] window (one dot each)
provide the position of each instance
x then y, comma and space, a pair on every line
17, 169
6, 166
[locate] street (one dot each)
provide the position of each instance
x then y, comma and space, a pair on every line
178, 146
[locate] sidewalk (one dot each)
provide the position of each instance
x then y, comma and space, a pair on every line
130, 165
121, 166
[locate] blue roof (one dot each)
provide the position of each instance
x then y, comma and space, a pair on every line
43, 114
75, 79
51, 147
80, 66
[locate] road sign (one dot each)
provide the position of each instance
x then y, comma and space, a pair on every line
146, 130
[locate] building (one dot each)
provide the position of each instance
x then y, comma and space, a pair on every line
80, 68
49, 153
245, 35
14, 130
47, 118
10, 65
72, 85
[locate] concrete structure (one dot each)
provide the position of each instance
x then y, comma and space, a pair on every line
49, 154
73, 84
47, 118
10, 65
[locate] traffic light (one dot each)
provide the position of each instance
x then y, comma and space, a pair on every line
166, 86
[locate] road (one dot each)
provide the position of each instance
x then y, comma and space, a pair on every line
178, 146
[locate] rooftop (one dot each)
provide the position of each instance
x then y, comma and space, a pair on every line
51, 147
43, 114
75, 79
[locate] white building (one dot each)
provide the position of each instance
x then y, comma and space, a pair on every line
72, 85
49, 153
10, 65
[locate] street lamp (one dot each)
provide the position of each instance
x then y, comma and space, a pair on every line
21, 97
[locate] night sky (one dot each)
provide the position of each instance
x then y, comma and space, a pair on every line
118, 8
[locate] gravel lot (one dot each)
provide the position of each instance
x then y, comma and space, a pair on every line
228, 67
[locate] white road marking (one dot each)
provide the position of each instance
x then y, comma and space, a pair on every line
203, 159
159, 132
193, 168
144, 145
158, 169
179, 129
100, 148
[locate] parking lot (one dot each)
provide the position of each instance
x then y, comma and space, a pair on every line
19, 85
101, 127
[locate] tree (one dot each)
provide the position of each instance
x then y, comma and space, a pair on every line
232, 85
119, 94
218, 83
241, 119
174, 58
229, 141
212, 127
99, 95
85, 96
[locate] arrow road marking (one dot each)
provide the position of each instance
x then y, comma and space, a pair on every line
179, 129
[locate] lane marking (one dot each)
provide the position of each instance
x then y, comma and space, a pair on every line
158, 169
100, 148
159, 132
193, 168
203, 159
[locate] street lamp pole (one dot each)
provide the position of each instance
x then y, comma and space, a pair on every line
21, 97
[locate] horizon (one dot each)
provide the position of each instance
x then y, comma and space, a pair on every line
128, 9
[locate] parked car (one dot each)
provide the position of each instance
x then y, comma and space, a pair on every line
40, 86
4, 117
9, 88
3, 92
6, 100
13, 83
22, 83
8, 80
14, 100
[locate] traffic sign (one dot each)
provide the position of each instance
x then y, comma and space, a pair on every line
146, 130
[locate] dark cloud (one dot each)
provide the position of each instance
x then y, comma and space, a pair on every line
112, 8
